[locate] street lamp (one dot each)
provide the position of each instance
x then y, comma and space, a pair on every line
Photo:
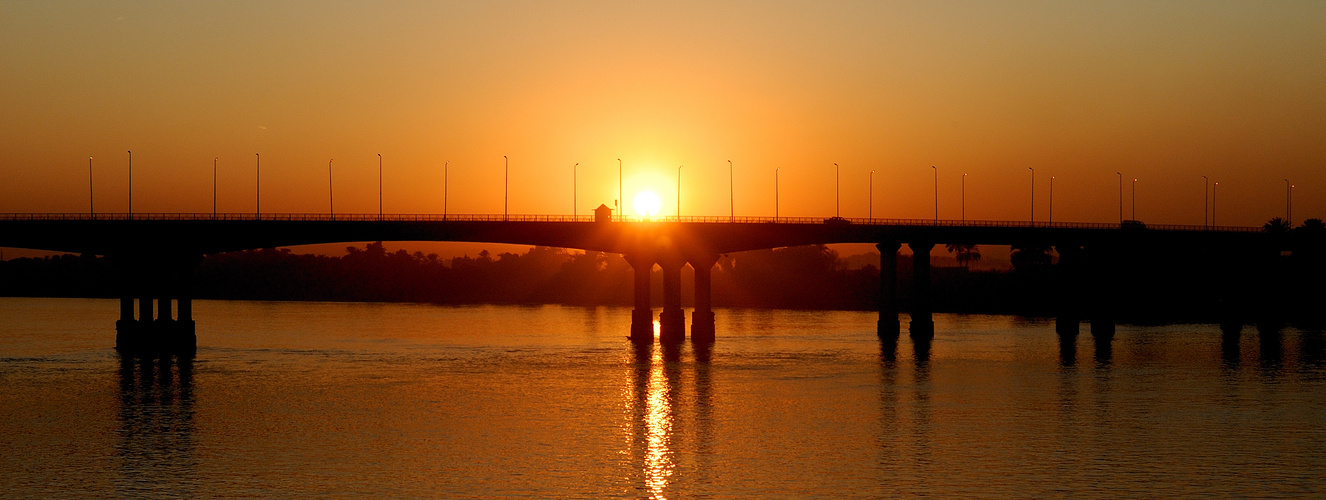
837, 193
1213, 203
679, 192
131, 185
257, 208
331, 202
870, 204
506, 185
1051, 216
573, 191
379, 186
731, 193
1033, 194
932, 167
964, 199
445, 168
776, 169
1134, 199
1289, 203
618, 202
91, 211
214, 188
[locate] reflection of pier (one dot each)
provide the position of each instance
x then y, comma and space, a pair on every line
156, 444
157, 252
658, 418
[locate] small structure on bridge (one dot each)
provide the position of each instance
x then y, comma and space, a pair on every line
603, 214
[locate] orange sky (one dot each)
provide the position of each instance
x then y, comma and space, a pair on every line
1164, 92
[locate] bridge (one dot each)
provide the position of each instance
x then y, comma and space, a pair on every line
156, 254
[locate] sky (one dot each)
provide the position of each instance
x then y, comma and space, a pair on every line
1161, 92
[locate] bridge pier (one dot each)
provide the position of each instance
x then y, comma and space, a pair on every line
1104, 292
672, 321
922, 326
888, 327
156, 284
702, 318
642, 317
1068, 282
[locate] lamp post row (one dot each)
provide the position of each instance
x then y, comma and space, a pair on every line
1208, 205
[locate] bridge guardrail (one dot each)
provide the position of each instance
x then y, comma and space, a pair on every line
859, 221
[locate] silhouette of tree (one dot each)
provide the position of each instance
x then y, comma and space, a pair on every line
1276, 226
965, 254
1312, 227
1028, 257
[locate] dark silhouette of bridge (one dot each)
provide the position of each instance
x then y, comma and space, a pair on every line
156, 255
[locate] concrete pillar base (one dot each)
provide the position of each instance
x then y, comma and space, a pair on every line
921, 329
671, 326
890, 328
642, 326
702, 326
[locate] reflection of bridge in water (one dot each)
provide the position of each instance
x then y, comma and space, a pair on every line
156, 255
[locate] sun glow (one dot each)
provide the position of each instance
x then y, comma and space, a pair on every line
647, 204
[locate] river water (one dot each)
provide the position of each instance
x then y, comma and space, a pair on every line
409, 400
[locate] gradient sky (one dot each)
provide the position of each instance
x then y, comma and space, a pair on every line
1164, 92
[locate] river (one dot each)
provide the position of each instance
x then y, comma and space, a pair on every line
288, 399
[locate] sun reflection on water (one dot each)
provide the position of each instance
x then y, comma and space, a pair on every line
650, 407
658, 429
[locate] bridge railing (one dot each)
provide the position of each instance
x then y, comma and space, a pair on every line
856, 221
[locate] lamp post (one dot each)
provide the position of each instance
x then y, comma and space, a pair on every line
1134, 210
932, 167
1289, 204
679, 192
1120, 197
1051, 216
379, 186
618, 202
445, 168
331, 202
1206, 201
1213, 203
1033, 194
257, 191
776, 169
214, 188
837, 193
964, 199
131, 186
731, 193
91, 210
573, 191
870, 204
506, 186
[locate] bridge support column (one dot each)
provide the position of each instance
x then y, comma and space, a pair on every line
888, 327
672, 321
1104, 293
642, 317
922, 326
184, 338
126, 328
702, 318
1068, 283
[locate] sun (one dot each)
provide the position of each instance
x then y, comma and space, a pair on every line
647, 204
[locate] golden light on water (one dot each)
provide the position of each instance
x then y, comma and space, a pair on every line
658, 463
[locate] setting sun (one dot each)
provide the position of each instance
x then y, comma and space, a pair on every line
647, 204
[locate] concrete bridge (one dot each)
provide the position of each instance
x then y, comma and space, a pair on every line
156, 255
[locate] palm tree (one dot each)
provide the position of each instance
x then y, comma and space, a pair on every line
1276, 226
1030, 256
964, 253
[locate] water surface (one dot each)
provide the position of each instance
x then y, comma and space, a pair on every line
405, 400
